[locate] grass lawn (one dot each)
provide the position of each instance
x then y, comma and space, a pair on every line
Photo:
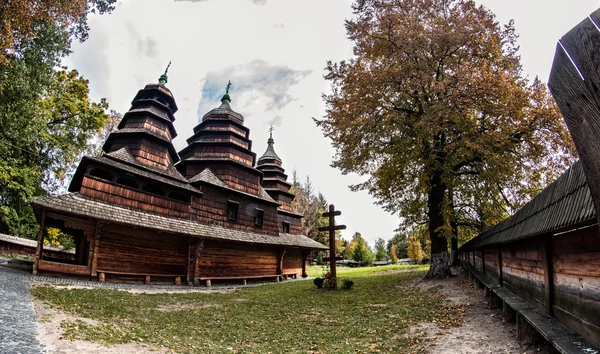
288, 317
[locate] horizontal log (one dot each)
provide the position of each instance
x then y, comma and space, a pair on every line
64, 268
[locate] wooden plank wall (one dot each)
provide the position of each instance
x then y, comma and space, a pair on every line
212, 208
576, 290
490, 262
522, 270
478, 261
292, 261
97, 188
224, 259
126, 250
572, 293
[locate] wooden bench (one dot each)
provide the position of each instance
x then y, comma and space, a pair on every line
533, 324
147, 277
244, 278
293, 275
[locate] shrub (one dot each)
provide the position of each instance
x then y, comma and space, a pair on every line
330, 281
319, 282
347, 284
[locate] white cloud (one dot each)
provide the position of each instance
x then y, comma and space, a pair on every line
254, 83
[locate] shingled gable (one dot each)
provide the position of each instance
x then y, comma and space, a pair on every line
135, 210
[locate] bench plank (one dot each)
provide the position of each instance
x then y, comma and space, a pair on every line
558, 335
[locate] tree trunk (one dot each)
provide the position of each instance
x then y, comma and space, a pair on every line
440, 267
454, 227
454, 251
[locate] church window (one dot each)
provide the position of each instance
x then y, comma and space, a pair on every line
101, 173
259, 217
179, 196
285, 227
128, 182
232, 210
153, 189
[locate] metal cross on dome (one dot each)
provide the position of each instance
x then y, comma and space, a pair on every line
228, 87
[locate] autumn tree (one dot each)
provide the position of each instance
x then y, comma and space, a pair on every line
434, 103
20, 20
394, 254
397, 245
414, 251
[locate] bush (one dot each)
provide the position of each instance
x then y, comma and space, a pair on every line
347, 284
319, 282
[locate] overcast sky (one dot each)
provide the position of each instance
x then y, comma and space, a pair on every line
274, 52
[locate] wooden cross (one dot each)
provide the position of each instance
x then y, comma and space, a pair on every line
332, 228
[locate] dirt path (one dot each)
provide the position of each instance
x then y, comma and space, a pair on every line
483, 330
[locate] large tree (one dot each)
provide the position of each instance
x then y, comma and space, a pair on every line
19, 20
46, 117
434, 109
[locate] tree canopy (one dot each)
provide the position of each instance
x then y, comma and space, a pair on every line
46, 117
434, 109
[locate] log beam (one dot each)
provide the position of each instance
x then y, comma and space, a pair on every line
40, 243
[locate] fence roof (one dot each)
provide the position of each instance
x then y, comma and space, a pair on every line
565, 202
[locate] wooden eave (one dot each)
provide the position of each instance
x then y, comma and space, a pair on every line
204, 123
216, 182
194, 144
201, 133
145, 133
162, 91
135, 170
564, 204
212, 160
74, 204
286, 212
144, 112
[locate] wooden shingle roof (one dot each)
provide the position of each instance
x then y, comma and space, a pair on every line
76, 204
565, 203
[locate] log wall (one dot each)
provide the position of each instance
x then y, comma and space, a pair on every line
576, 288
226, 259
212, 208
292, 261
559, 274
126, 250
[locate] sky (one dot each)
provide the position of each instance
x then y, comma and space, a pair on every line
274, 52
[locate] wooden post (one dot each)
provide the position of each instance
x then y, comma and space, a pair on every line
147, 280
500, 279
332, 228
546, 253
304, 256
208, 283
194, 249
280, 261
40, 243
101, 277
508, 314
94, 265
177, 280
483, 260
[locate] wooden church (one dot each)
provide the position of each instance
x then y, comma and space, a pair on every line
210, 212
